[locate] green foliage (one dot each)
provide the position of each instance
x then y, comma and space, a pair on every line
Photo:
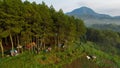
31, 21
4, 34
108, 40
16, 30
44, 58
103, 59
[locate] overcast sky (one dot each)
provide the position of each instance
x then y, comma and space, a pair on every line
111, 7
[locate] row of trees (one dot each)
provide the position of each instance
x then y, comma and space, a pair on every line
25, 22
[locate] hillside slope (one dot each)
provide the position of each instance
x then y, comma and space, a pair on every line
72, 57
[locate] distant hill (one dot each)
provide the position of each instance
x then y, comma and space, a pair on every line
91, 17
112, 27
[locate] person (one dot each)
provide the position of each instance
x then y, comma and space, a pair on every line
59, 45
19, 49
94, 57
16, 52
49, 49
88, 57
46, 50
12, 52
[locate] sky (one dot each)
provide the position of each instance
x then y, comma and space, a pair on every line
111, 7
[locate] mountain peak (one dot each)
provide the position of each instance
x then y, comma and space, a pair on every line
87, 12
83, 10
91, 17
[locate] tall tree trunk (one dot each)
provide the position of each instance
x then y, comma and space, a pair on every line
18, 44
38, 43
44, 43
6, 41
15, 40
41, 43
56, 41
2, 50
11, 42
36, 47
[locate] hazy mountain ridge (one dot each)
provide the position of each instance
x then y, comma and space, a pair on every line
112, 27
87, 11
91, 17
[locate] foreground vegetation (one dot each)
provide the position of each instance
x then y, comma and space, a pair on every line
54, 59
60, 59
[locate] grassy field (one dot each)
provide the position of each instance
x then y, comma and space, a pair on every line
63, 59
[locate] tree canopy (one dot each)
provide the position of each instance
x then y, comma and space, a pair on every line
24, 22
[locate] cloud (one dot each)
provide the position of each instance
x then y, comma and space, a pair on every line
102, 6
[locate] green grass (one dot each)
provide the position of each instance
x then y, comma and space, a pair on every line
51, 59
59, 59
104, 60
